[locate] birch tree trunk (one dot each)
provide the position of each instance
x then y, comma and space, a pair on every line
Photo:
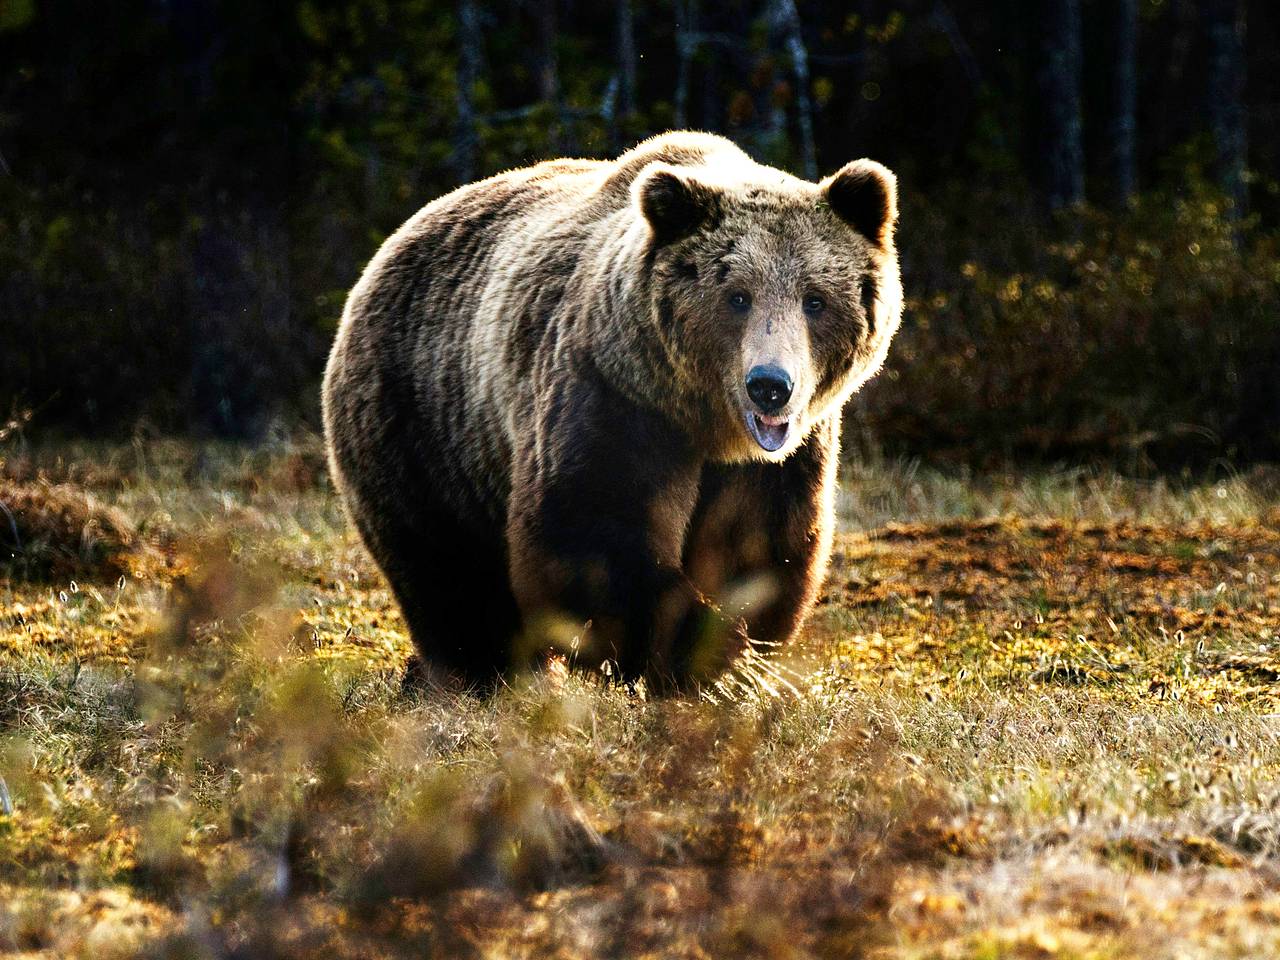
785, 21
1062, 155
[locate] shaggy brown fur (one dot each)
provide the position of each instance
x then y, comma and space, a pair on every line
537, 404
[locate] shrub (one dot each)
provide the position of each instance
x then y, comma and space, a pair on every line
1152, 335
57, 531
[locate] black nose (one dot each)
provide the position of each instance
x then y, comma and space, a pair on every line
769, 388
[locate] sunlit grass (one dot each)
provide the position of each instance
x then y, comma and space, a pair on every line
1033, 716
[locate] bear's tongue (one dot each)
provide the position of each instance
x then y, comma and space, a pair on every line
770, 432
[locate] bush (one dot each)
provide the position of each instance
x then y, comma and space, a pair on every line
1149, 336
57, 531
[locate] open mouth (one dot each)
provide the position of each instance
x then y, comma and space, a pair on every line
770, 432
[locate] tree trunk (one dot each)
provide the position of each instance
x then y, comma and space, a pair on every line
470, 65
618, 109
1062, 155
1224, 27
707, 76
626, 59
945, 21
785, 20
548, 76
686, 45
548, 72
1122, 98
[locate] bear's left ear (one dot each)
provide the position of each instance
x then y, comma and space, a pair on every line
673, 203
864, 194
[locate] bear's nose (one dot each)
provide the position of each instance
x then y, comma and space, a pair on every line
769, 388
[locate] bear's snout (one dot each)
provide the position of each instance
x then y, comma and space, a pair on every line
769, 387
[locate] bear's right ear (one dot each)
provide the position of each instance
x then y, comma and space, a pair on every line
864, 194
673, 203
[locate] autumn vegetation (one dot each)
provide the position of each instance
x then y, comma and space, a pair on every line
1032, 717
1089, 195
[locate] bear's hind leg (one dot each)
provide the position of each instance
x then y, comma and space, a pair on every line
454, 594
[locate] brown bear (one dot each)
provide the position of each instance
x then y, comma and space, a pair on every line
611, 390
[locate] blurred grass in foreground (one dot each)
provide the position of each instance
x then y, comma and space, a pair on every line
1034, 716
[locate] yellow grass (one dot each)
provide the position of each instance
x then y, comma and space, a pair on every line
1034, 716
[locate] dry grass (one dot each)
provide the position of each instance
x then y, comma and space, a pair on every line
1033, 717
59, 532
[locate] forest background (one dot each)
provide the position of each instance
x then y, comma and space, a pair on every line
1090, 214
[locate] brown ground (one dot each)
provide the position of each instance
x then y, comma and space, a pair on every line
1035, 716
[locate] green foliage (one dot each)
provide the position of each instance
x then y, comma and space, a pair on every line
16, 13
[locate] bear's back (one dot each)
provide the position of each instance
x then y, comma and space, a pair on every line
447, 250
584, 190
454, 310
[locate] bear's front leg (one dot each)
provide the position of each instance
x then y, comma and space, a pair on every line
760, 537
602, 492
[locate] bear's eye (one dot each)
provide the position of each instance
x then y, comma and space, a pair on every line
814, 305
740, 301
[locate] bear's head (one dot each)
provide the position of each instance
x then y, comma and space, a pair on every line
774, 298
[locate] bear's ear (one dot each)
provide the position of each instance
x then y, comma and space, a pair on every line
864, 194
673, 203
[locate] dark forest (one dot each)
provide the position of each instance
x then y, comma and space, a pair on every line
1089, 223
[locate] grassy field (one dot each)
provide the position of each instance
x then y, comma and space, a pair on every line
1034, 716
